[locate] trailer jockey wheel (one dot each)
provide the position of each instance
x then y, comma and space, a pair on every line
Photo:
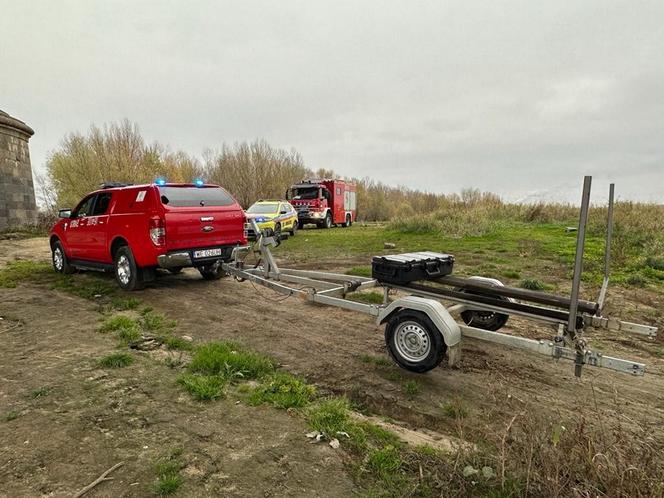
414, 342
485, 320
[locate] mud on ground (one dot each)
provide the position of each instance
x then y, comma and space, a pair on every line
88, 419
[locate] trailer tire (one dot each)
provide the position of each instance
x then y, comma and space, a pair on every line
485, 320
414, 342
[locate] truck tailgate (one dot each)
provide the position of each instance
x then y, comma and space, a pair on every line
188, 228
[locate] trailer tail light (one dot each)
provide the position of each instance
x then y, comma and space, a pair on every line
158, 232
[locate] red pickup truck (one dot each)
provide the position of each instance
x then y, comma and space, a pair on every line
134, 229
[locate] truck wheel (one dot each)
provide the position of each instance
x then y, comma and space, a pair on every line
414, 342
293, 229
485, 320
127, 274
277, 231
346, 223
60, 261
211, 272
328, 221
300, 225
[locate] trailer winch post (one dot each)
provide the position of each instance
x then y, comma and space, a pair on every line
607, 250
578, 269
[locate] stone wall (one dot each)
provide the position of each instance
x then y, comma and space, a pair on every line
17, 194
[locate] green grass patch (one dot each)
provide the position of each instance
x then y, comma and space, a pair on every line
20, 271
330, 416
230, 361
203, 387
118, 322
412, 388
454, 409
116, 360
39, 393
152, 321
124, 303
168, 479
511, 274
532, 284
379, 361
177, 343
360, 271
385, 462
11, 415
87, 286
283, 390
367, 297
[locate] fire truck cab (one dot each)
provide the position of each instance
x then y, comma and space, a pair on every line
324, 202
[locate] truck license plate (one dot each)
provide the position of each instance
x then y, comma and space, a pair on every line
207, 253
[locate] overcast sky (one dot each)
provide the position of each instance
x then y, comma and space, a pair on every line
518, 97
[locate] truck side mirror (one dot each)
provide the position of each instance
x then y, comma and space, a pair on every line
64, 213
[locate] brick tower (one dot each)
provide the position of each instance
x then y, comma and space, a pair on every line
17, 193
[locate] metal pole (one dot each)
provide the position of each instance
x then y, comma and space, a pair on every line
607, 249
578, 259
578, 269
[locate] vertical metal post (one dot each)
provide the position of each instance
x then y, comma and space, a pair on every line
578, 259
578, 269
607, 249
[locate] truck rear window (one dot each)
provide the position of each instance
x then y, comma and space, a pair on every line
195, 196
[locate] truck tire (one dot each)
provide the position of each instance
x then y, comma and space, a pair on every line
277, 231
328, 221
211, 272
59, 259
127, 273
414, 342
293, 229
347, 222
485, 320
300, 225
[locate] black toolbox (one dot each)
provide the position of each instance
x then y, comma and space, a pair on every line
400, 269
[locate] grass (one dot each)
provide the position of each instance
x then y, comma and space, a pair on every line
454, 409
412, 388
177, 343
87, 286
215, 364
126, 328
330, 416
230, 361
372, 297
379, 361
283, 390
39, 393
152, 321
124, 303
19, 271
541, 245
532, 284
11, 415
116, 360
203, 387
168, 479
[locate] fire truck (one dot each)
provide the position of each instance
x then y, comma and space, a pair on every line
324, 202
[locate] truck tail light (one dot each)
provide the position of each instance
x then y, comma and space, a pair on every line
157, 232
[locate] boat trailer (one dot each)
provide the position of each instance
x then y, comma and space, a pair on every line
420, 329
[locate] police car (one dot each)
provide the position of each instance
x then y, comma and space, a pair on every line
273, 217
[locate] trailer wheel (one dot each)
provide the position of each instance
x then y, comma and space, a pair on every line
485, 320
414, 342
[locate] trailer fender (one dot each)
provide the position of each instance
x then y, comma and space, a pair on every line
436, 312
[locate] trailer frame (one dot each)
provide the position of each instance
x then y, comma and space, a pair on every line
439, 304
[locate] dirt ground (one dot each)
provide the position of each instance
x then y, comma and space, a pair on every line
89, 419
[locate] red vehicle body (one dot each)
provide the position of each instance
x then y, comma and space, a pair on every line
134, 229
324, 202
